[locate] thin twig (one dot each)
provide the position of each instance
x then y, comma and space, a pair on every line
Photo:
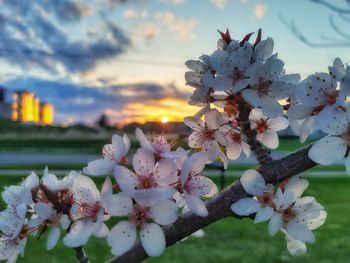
81, 255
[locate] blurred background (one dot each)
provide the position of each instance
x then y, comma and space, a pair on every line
74, 72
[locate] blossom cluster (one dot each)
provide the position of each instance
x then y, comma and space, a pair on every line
246, 98
161, 185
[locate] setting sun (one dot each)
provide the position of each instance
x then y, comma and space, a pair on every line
164, 119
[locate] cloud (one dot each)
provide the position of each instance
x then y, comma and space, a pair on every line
220, 4
146, 30
56, 36
130, 14
174, 2
87, 103
260, 10
182, 28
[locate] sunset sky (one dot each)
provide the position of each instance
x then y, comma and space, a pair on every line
126, 58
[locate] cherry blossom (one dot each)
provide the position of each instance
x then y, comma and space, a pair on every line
113, 154
296, 215
262, 201
266, 128
334, 147
342, 74
195, 185
159, 145
146, 219
268, 85
320, 96
151, 182
236, 143
14, 232
87, 211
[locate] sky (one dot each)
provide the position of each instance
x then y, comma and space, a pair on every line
125, 58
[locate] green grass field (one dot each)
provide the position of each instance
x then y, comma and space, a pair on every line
232, 240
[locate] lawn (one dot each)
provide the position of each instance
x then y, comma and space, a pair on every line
232, 240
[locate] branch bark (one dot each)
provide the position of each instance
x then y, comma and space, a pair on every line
81, 255
220, 205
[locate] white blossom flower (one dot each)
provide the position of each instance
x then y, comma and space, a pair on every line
14, 232
334, 147
113, 154
207, 135
235, 144
87, 211
17, 194
53, 183
320, 96
262, 201
146, 219
297, 216
266, 128
342, 74
151, 182
268, 85
44, 212
195, 185
159, 145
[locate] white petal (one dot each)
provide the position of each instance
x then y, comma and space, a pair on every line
164, 212
145, 143
102, 232
263, 214
233, 150
31, 181
43, 210
296, 186
328, 150
119, 147
152, 239
196, 205
53, 238
7, 248
85, 189
271, 107
202, 186
295, 247
126, 179
245, 206
300, 232
151, 196
194, 124
253, 182
275, 223
278, 124
252, 97
213, 119
100, 167
79, 233
268, 138
118, 204
143, 162
107, 188
165, 172
122, 237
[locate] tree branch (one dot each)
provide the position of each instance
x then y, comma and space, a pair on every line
220, 205
81, 255
261, 153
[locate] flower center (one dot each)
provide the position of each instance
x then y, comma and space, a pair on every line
161, 144
90, 209
124, 161
65, 196
231, 109
208, 134
235, 136
331, 96
146, 182
261, 126
237, 75
288, 214
139, 216
263, 86
266, 199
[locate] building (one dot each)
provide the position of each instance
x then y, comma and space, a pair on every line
5, 108
26, 107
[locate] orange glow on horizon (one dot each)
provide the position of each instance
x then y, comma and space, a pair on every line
173, 109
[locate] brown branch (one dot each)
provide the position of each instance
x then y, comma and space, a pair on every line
261, 153
81, 255
219, 206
